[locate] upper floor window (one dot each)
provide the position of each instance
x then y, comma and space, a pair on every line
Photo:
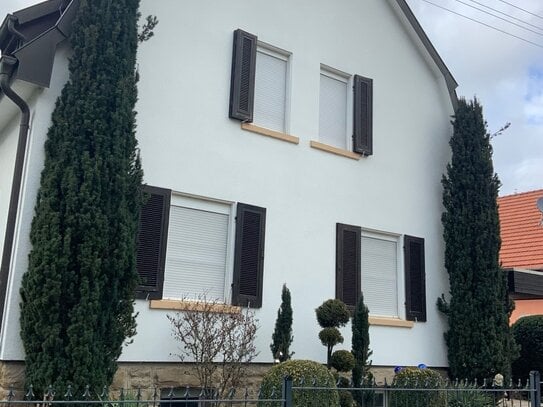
259, 82
270, 106
334, 123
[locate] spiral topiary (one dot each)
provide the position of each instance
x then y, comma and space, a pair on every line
312, 374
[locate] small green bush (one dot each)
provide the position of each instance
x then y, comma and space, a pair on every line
415, 378
468, 396
528, 333
332, 313
342, 360
312, 373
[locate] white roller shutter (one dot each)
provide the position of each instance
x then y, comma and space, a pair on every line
270, 91
333, 111
380, 275
196, 254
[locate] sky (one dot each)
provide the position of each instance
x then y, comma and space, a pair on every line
504, 73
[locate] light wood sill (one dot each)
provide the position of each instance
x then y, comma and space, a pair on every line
270, 133
334, 150
178, 305
380, 321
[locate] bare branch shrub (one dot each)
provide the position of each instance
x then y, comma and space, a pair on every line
220, 341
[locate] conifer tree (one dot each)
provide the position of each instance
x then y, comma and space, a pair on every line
361, 342
78, 292
282, 334
479, 341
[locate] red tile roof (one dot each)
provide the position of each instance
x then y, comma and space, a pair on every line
521, 231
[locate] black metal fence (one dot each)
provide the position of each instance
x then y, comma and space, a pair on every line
300, 394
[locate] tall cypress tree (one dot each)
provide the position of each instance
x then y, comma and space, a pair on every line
479, 341
282, 334
78, 292
361, 342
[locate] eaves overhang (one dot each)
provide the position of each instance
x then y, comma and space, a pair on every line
524, 284
43, 27
447, 75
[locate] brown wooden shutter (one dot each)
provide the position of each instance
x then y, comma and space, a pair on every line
152, 240
415, 279
348, 264
242, 81
363, 112
249, 256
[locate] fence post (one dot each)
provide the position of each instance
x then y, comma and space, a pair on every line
535, 388
287, 391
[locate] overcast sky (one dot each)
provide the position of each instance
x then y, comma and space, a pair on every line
503, 72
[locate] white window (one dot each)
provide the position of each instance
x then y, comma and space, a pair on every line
198, 249
334, 105
379, 263
270, 105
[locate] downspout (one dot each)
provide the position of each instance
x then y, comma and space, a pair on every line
7, 67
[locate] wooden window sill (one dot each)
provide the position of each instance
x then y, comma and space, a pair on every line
179, 305
270, 133
396, 322
334, 150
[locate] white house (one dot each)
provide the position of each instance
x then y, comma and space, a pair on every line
299, 142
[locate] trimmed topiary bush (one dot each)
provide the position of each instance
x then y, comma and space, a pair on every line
342, 360
312, 374
332, 313
528, 333
415, 378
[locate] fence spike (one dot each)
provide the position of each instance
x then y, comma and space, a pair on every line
232, 392
519, 385
138, 394
510, 382
11, 393
475, 382
121, 394
68, 395
202, 393
30, 393
386, 384
484, 382
272, 395
87, 395
314, 382
456, 382
338, 381
50, 394
246, 395
170, 393
302, 381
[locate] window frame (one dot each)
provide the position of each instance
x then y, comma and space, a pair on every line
347, 79
400, 282
283, 55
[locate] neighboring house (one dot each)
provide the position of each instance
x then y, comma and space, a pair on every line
282, 142
521, 253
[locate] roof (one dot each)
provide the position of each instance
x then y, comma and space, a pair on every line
521, 231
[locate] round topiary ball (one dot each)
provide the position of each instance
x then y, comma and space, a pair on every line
330, 336
528, 333
332, 313
312, 373
342, 360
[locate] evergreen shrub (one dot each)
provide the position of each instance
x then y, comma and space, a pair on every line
528, 333
415, 378
311, 373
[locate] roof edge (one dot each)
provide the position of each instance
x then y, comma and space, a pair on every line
449, 78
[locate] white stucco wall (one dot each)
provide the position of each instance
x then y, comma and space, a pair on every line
189, 145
